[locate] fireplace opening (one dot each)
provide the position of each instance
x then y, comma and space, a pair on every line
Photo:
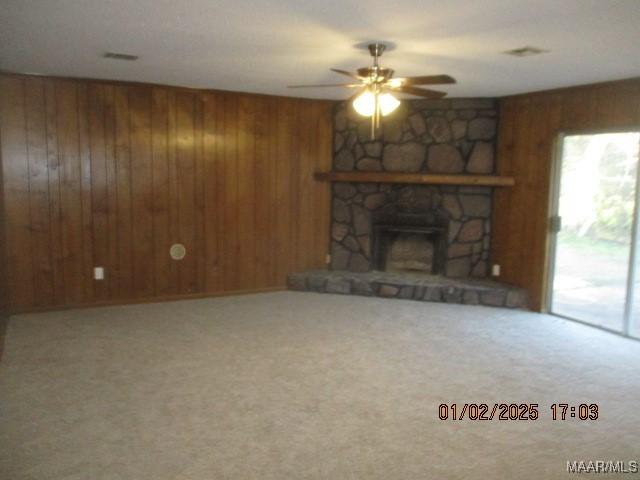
409, 243
410, 251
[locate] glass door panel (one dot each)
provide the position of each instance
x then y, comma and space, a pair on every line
596, 205
634, 307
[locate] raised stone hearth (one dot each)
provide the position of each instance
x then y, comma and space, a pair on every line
421, 287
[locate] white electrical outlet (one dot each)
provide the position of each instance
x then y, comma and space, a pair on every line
98, 273
495, 270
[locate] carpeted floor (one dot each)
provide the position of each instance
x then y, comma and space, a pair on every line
306, 386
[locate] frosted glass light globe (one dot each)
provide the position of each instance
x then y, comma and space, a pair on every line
388, 103
365, 103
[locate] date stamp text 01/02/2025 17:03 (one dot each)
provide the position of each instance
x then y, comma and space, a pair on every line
516, 411
531, 411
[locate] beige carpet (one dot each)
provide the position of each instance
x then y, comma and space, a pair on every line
306, 386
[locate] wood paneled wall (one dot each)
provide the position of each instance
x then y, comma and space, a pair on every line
529, 127
4, 285
109, 174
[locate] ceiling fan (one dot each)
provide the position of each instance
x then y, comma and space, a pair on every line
376, 86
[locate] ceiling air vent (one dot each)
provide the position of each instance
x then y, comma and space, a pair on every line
525, 51
121, 56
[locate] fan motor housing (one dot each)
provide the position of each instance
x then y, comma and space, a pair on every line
383, 73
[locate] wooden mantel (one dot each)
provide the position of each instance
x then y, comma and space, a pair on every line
428, 179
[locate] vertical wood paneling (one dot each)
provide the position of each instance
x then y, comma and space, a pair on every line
230, 243
38, 191
246, 190
172, 194
4, 271
55, 198
529, 126
221, 161
199, 201
70, 191
212, 174
124, 222
85, 192
295, 245
141, 191
99, 188
186, 178
308, 123
111, 167
285, 254
272, 141
262, 195
15, 165
111, 175
322, 190
161, 209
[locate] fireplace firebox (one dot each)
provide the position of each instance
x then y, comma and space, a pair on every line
409, 243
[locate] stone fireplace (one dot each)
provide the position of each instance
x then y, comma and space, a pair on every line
443, 229
414, 241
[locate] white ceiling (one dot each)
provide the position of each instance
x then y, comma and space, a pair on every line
263, 45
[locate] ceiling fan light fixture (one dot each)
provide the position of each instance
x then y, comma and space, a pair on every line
375, 100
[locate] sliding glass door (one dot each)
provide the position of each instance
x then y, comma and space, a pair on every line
594, 231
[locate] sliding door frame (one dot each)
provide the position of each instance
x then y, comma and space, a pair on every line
552, 234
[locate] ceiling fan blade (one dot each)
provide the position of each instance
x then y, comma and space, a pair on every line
428, 80
344, 72
348, 85
421, 92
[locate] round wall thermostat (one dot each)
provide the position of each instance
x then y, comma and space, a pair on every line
177, 251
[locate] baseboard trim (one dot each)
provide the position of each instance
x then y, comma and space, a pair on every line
136, 301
